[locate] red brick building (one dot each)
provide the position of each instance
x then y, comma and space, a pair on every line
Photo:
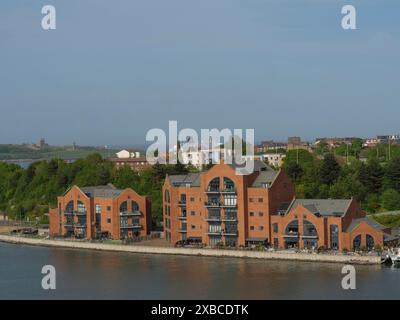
90, 212
219, 206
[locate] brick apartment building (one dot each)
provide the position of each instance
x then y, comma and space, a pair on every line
91, 212
218, 206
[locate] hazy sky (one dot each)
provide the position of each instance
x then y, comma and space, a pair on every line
115, 69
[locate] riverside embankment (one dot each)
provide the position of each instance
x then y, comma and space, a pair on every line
279, 255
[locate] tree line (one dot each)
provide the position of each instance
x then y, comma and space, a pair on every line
27, 194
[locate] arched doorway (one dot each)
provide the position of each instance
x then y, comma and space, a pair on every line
310, 235
292, 234
357, 242
370, 242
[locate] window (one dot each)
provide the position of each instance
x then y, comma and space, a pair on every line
192, 199
260, 199
230, 200
213, 186
108, 208
192, 213
98, 208
275, 227
261, 228
193, 227
334, 236
123, 207
251, 214
260, 214
135, 206
251, 199
109, 220
251, 227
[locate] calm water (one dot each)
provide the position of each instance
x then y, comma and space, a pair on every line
101, 275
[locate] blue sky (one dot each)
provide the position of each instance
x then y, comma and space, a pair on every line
115, 69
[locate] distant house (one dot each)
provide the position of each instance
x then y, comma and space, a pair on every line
274, 159
124, 154
130, 158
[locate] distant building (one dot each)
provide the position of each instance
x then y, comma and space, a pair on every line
274, 159
266, 146
295, 143
370, 143
132, 159
395, 138
93, 212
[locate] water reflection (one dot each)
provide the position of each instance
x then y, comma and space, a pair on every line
106, 275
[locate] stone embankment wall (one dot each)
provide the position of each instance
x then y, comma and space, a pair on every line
281, 255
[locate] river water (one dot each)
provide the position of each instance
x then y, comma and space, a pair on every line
82, 274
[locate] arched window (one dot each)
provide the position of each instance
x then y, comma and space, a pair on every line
357, 242
309, 229
123, 207
135, 206
229, 185
213, 186
70, 207
370, 242
292, 228
81, 207
166, 196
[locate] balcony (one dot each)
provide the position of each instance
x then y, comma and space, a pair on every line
69, 225
212, 204
233, 233
68, 213
291, 234
213, 218
135, 213
182, 203
80, 225
229, 218
228, 205
184, 230
182, 217
80, 213
212, 191
215, 232
229, 190
310, 235
131, 226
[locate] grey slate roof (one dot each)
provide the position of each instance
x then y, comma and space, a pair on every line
107, 191
258, 165
183, 179
324, 207
266, 175
370, 221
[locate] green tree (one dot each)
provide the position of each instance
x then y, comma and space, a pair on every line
391, 199
330, 169
393, 174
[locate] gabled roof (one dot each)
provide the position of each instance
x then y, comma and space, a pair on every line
323, 207
107, 191
372, 223
183, 179
265, 177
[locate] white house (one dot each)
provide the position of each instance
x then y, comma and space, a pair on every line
274, 159
125, 154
